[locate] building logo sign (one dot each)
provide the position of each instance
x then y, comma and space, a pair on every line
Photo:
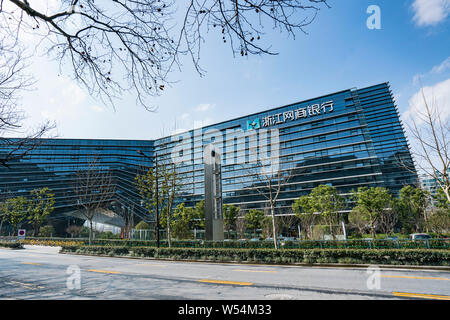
255, 124
291, 115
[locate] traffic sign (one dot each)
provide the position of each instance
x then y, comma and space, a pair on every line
21, 234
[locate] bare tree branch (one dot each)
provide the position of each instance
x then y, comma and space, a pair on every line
431, 134
113, 47
13, 81
94, 190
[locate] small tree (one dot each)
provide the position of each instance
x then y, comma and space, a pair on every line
142, 225
287, 222
41, 205
181, 222
146, 185
358, 219
94, 190
230, 214
413, 203
389, 217
267, 226
198, 216
254, 219
269, 181
439, 221
170, 185
371, 203
326, 201
306, 213
74, 230
47, 231
16, 211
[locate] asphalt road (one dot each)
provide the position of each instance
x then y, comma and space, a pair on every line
42, 273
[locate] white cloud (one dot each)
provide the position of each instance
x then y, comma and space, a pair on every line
430, 12
442, 67
65, 102
437, 96
439, 69
97, 108
204, 107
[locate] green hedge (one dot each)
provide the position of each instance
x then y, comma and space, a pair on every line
305, 244
309, 256
11, 245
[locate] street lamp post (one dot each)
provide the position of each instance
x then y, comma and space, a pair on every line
157, 193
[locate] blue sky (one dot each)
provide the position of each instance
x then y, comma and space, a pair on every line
339, 52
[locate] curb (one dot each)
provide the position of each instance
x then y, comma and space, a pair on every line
318, 265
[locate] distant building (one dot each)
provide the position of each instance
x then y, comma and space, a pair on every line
430, 184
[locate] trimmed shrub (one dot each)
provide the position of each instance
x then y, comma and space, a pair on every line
309, 256
304, 244
142, 226
46, 231
11, 245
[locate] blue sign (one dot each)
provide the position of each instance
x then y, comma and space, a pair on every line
253, 124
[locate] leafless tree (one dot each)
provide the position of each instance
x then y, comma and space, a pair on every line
268, 180
94, 191
13, 81
114, 46
388, 219
170, 186
431, 148
240, 225
127, 213
288, 221
74, 230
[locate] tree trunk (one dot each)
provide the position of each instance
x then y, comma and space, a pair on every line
274, 231
90, 231
36, 231
331, 230
168, 231
447, 193
372, 231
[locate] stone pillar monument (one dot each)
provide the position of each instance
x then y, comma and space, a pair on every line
213, 195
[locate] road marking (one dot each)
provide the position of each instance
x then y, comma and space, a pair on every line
420, 295
33, 263
104, 271
243, 270
25, 285
422, 278
226, 282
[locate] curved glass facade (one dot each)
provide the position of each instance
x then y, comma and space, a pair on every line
347, 139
